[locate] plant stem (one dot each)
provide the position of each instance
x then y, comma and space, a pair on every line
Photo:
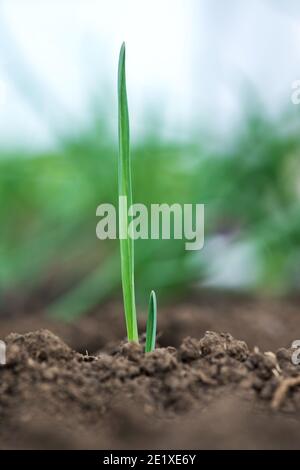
151, 323
125, 190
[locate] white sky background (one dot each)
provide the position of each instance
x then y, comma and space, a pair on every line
186, 59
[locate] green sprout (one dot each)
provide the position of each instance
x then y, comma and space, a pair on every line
126, 242
151, 323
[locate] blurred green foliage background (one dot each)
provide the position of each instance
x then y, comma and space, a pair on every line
48, 201
202, 55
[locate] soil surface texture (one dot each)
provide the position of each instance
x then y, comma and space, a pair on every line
209, 391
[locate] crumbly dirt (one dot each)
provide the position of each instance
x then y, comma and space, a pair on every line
209, 392
269, 323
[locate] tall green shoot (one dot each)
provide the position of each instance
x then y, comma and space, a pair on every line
125, 189
125, 201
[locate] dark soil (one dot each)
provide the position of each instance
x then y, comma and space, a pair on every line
210, 392
264, 322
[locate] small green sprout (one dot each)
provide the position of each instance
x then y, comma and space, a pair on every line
151, 323
126, 242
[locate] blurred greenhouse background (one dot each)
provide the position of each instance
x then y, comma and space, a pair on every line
212, 122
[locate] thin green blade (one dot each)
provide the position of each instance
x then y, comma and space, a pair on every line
151, 324
125, 190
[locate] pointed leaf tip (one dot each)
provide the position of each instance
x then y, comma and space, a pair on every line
151, 323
